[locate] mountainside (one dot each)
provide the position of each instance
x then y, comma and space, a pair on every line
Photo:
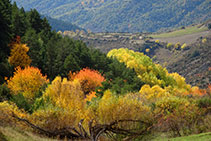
60, 25
191, 62
195, 64
124, 15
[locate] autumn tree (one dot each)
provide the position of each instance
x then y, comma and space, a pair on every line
27, 81
18, 55
89, 79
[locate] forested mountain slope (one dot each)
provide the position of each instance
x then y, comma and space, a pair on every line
60, 25
124, 15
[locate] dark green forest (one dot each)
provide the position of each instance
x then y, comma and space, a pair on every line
124, 15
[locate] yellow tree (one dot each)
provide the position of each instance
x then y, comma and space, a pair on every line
18, 55
27, 81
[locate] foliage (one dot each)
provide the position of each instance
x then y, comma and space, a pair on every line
178, 115
5, 71
177, 46
91, 104
18, 55
120, 79
204, 40
112, 108
146, 70
27, 81
169, 45
184, 46
157, 41
7, 109
21, 102
4, 93
60, 25
141, 15
153, 93
66, 94
5, 28
89, 79
54, 118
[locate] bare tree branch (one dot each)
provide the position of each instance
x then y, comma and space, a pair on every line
94, 131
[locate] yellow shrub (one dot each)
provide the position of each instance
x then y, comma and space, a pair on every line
204, 40
157, 41
6, 113
169, 45
153, 93
184, 46
67, 95
112, 108
54, 118
27, 81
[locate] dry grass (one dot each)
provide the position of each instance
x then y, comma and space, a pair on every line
12, 134
181, 32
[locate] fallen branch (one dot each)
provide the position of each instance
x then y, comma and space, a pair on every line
94, 131
67, 132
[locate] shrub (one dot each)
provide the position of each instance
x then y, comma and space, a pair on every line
4, 93
112, 108
157, 41
204, 40
28, 82
6, 111
169, 45
21, 102
184, 46
89, 79
54, 118
195, 54
177, 46
177, 115
66, 94
153, 93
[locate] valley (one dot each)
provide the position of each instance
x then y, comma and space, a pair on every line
171, 59
123, 70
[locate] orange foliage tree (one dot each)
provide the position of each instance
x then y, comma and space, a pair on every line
27, 81
18, 55
89, 80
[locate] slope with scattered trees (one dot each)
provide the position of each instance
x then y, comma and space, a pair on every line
124, 15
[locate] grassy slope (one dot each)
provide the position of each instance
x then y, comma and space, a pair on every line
198, 137
181, 32
11, 134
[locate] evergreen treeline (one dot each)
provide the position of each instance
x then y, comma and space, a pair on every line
56, 55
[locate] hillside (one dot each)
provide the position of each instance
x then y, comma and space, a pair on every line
182, 61
195, 64
60, 25
123, 15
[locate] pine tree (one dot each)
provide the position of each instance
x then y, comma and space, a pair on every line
5, 28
